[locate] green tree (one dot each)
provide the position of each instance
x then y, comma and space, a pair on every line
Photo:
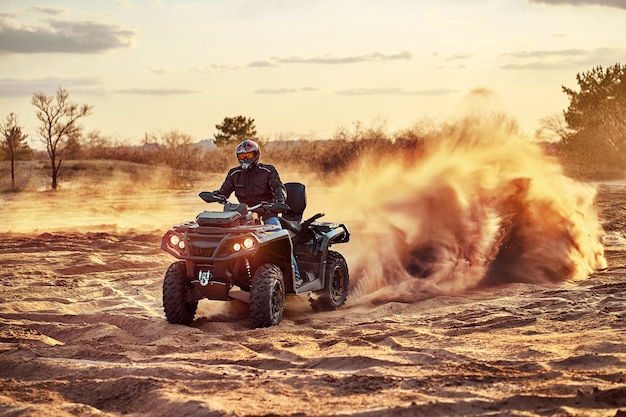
235, 129
13, 144
595, 139
59, 128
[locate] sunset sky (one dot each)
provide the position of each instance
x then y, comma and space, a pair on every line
299, 68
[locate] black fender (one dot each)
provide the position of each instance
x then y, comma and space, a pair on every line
337, 234
276, 248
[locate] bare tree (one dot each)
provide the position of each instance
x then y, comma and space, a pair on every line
180, 154
552, 129
59, 128
13, 143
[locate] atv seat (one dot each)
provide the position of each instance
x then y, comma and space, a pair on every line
291, 220
296, 200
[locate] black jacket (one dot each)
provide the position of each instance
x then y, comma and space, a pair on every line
255, 185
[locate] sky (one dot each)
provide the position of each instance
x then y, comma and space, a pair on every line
300, 69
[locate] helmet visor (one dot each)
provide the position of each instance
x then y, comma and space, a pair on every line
245, 156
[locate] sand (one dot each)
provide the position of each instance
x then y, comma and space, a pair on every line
82, 332
484, 282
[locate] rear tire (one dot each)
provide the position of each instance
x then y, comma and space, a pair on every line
175, 285
335, 291
267, 296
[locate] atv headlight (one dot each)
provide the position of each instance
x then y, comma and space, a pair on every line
176, 241
248, 242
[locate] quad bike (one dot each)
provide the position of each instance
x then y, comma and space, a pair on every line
231, 254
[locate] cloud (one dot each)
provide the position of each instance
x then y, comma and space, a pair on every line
563, 59
164, 70
285, 90
157, 91
62, 36
351, 59
455, 61
127, 5
48, 10
13, 87
277, 61
458, 57
547, 54
200, 69
620, 4
262, 64
387, 91
209, 69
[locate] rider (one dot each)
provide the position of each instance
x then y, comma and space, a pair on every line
253, 183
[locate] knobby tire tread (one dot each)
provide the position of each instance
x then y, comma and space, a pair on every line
327, 301
261, 296
177, 311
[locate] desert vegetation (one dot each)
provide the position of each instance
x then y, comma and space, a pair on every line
589, 138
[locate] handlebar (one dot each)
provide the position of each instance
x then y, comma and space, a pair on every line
275, 207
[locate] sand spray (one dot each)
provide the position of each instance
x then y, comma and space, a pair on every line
483, 207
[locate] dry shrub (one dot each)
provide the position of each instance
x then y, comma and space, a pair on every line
330, 158
29, 175
218, 159
186, 161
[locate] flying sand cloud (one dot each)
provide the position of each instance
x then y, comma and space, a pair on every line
482, 207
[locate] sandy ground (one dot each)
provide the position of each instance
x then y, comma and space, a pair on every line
82, 333
483, 283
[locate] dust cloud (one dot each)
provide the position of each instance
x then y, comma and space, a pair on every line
102, 196
484, 207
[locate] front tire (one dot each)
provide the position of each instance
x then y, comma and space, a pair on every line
175, 285
335, 290
267, 296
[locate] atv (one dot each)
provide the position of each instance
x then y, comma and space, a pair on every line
232, 254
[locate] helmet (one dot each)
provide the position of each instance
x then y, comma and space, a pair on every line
248, 154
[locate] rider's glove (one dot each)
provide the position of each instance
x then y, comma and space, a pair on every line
280, 205
219, 197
